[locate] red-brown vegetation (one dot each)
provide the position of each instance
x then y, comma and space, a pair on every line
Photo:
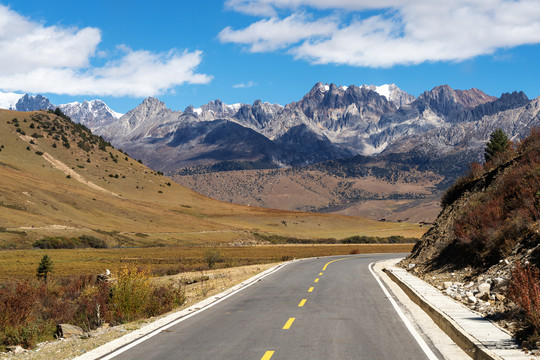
493, 225
30, 310
524, 290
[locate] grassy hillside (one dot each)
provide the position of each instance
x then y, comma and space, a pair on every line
60, 180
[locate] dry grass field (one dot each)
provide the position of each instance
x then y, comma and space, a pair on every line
59, 180
61, 186
22, 264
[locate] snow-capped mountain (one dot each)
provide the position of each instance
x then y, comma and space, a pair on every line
215, 110
24, 102
335, 120
94, 113
33, 102
329, 122
392, 93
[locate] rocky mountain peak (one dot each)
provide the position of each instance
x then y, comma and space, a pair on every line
518, 98
505, 102
319, 87
215, 106
152, 104
33, 102
189, 110
150, 107
446, 102
137, 122
350, 101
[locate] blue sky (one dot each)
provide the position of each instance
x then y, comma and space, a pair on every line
190, 52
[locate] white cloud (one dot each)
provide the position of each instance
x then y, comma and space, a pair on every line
249, 84
270, 7
40, 59
393, 32
272, 34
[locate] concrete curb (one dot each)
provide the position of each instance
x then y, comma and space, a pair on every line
469, 343
135, 337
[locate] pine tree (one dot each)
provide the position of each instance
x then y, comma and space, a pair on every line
44, 268
498, 143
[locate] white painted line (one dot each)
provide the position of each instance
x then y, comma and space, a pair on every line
415, 334
126, 342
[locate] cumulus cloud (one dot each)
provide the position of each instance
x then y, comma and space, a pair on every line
249, 84
51, 59
384, 33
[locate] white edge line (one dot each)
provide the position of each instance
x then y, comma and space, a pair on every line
126, 343
406, 321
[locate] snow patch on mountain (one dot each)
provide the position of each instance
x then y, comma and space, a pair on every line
383, 90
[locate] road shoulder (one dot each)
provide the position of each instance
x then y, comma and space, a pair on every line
478, 337
426, 327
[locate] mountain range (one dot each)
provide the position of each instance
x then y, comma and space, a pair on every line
440, 132
92, 113
330, 122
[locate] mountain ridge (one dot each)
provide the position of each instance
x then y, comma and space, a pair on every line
439, 133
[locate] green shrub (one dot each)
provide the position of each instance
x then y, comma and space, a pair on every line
131, 294
212, 255
93, 242
44, 268
83, 241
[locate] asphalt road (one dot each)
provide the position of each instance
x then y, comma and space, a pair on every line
298, 312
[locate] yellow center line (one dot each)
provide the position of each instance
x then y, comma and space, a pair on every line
310, 289
302, 302
288, 324
317, 280
328, 263
267, 355
320, 274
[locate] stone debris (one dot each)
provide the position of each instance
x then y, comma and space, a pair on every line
484, 293
15, 349
484, 288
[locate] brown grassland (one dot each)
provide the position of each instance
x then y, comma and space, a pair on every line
22, 264
59, 180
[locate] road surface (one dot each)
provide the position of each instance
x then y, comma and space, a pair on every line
327, 308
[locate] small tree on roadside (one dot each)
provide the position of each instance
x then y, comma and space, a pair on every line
498, 143
212, 255
44, 268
